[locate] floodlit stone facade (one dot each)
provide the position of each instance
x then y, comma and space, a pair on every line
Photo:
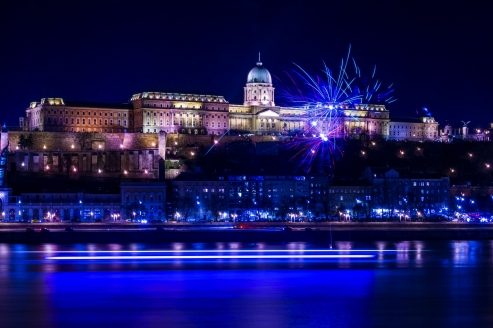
194, 114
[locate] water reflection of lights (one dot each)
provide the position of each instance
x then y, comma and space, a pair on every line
237, 251
203, 257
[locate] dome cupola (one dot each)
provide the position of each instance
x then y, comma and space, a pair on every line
259, 74
259, 90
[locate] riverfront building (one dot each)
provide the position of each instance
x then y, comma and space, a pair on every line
195, 114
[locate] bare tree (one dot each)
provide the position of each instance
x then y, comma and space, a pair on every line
83, 138
215, 204
185, 206
25, 142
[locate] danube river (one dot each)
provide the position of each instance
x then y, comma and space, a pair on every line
377, 284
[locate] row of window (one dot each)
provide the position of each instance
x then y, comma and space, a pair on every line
143, 197
181, 106
411, 127
88, 113
181, 115
78, 120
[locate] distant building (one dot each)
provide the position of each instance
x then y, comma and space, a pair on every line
413, 129
242, 195
152, 112
402, 191
137, 201
448, 134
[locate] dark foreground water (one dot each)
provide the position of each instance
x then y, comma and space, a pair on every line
405, 284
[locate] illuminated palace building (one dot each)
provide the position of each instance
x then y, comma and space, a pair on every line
152, 112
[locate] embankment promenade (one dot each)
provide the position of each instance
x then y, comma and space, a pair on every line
241, 232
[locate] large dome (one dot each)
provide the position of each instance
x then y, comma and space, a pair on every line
259, 74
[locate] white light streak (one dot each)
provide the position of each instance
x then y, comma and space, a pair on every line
201, 257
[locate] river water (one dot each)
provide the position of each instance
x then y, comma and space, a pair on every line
378, 284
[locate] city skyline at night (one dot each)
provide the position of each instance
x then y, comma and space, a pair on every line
438, 64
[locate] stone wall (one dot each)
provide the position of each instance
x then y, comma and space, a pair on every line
132, 155
80, 141
143, 164
77, 141
188, 140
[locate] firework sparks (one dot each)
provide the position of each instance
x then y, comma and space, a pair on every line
323, 100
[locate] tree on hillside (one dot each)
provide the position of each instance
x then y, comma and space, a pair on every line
83, 138
25, 142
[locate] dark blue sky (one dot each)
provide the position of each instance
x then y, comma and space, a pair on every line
437, 55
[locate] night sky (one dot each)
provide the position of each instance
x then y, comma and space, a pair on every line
437, 56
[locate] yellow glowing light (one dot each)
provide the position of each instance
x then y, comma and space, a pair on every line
125, 172
47, 167
72, 146
75, 170
192, 153
99, 171
153, 144
145, 171
44, 147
